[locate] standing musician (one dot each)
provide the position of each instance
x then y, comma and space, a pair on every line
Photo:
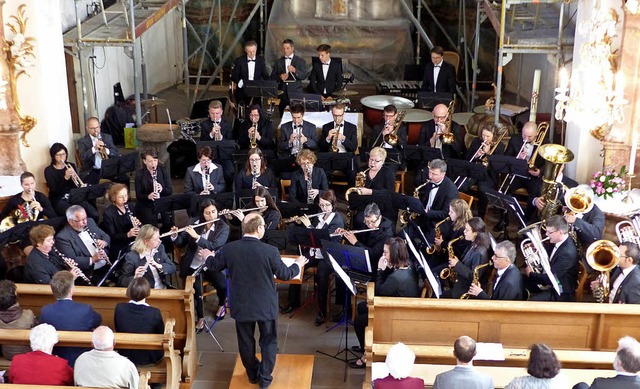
326, 75
217, 128
28, 205
152, 182
255, 173
61, 177
508, 284
42, 263
450, 229
93, 148
118, 221
83, 241
147, 259
330, 221
346, 133
476, 255
297, 134
307, 175
625, 278
211, 236
205, 177
256, 126
248, 67
262, 199
563, 258
432, 133
439, 193
439, 76
289, 70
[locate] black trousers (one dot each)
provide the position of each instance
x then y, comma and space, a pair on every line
215, 278
258, 371
323, 272
360, 323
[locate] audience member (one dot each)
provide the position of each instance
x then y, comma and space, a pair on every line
463, 375
399, 361
543, 370
626, 364
13, 316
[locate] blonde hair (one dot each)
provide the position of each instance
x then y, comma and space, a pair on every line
461, 209
146, 232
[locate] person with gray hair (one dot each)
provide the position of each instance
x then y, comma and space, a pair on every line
102, 367
508, 282
463, 375
626, 364
399, 362
39, 367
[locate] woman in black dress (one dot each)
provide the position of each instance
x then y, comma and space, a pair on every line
152, 182
379, 179
118, 221
255, 173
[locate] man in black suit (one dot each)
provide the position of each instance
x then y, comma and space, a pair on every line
626, 364
442, 72
432, 134
298, 133
508, 283
90, 148
248, 67
289, 70
265, 136
326, 74
625, 278
252, 265
390, 113
563, 259
346, 132
217, 128
437, 196
522, 147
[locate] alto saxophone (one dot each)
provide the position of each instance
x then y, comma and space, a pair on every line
361, 177
438, 234
476, 278
449, 273
334, 141
407, 215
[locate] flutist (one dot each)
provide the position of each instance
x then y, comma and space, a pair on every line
339, 135
152, 182
147, 259
257, 129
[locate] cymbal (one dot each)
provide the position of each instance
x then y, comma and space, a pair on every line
344, 93
153, 102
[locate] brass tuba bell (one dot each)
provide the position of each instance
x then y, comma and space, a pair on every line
602, 255
579, 200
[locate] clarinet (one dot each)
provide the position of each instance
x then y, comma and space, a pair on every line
94, 237
206, 179
71, 264
310, 198
154, 178
135, 223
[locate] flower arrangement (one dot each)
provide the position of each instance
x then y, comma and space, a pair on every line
605, 184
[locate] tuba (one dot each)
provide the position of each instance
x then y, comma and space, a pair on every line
392, 138
603, 256
361, 177
555, 156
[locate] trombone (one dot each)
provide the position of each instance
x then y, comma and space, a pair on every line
541, 135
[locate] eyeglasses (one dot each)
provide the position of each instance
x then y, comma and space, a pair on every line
61, 154
499, 257
370, 221
549, 232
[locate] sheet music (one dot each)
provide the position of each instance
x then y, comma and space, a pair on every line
345, 278
489, 352
435, 286
289, 260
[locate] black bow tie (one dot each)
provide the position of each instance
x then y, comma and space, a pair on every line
436, 66
434, 185
251, 60
325, 64
287, 57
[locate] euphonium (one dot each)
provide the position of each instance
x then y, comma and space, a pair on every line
449, 272
555, 156
603, 256
627, 230
476, 278
254, 141
392, 137
447, 136
438, 234
533, 250
361, 177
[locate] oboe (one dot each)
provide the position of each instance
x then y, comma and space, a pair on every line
94, 238
71, 264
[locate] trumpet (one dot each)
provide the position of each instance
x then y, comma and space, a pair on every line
296, 144
217, 132
342, 231
103, 152
70, 263
603, 256
296, 219
254, 141
228, 211
449, 273
185, 227
476, 278
77, 181
334, 141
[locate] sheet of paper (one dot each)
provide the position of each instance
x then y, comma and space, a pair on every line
289, 260
435, 285
489, 352
345, 278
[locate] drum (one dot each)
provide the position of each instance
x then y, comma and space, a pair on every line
462, 118
189, 128
375, 104
414, 119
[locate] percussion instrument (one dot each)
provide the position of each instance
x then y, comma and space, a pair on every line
153, 101
158, 136
375, 104
462, 118
344, 93
406, 89
414, 119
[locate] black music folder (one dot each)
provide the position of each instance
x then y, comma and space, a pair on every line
349, 257
330, 161
87, 193
117, 166
221, 149
172, 203
21, 230
463, 168
428, 100
307, 237
415, 153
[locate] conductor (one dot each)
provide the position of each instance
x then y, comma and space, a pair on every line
252, 265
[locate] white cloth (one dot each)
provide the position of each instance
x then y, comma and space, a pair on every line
325, 70
287, 63
105, 369
205, 178
198, 258
252, 68
432, 195
436, 73
618, 281
157, 280
499, 275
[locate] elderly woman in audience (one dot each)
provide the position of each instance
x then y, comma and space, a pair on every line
399, 362
138, 317
13, 316
543, 371
39, 367
147, 259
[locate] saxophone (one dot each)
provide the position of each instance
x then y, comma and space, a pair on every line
405, 216
438, 234
476, 278
334, 141
254, 142
449, 272
310, 198
361, 177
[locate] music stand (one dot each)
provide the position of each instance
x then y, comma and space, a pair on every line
87, 193
421, 153
172, 203
21, 230
510, 166
428, 100
117, 166
286, 164
221, 149
115, 264
244, 197
310, 101
462, 170
276, 238
508, 204
261, 89
358, 203
330, 161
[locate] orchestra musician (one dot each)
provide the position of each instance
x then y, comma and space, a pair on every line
563, 259
248, 67
390, 113
206, 177
379, 178
60, 180
476, 255
439, 76
508, 284
118, 220
42, 263
432, 133
29, 204
210, 236
91, 148
298, 133
265, 136
459, 215
523, 147
289, 71
299, 190
347, 133
270, 213
326, 74
147, 259
217, 128
330, 221
256, 163
439, 193
83, 241
152, 182
625, 278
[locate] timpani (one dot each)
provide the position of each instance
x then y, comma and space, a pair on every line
414, 119
375, 104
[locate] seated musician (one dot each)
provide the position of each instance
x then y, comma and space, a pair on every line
83, 241
118, 221
217, 128
147, 259
265, 136
93, 148
211, 236
434, 133
255, 173
339, 135
378, 178
152, 182
331, 220
325, 77
624, 282
477, 254
439, 193
508, 283
563, 258
449, 229
269, 211
523, 147
478, 151
380, 131
42, 262
61, 177
395, 277
205, 177
588, 227
308, 173
28, 205
298, 133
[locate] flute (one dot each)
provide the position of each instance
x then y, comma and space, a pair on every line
297, 218
228, 211
185, 227
341, 233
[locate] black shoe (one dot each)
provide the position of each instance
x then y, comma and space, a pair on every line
319, 319
355, 365
287, 309
357, 349
253, 380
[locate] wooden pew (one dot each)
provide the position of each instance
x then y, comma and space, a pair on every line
583, 335
173, 303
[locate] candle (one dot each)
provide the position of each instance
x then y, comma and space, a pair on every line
535, 90
632, 157
564, 78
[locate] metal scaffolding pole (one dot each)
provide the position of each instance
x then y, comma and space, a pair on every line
136, 55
